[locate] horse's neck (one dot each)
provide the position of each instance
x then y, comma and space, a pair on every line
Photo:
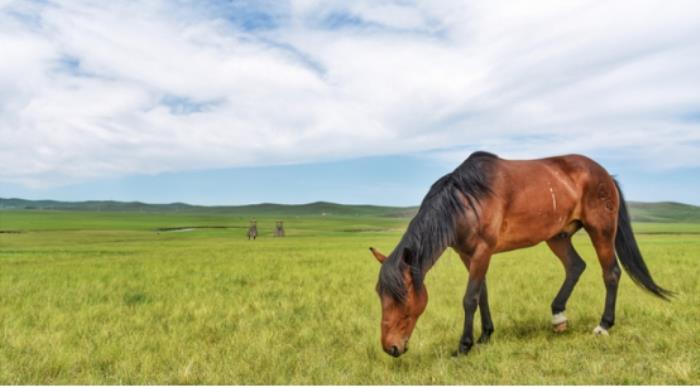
428, 261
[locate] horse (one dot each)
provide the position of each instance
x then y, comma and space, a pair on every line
253, 230
489, 205
279, 228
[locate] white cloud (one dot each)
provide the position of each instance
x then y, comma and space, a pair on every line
91, 89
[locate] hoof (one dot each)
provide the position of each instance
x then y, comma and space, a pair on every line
600, 331
484, 339
463, 350
459, 353
561, 327
485, 336
559, 322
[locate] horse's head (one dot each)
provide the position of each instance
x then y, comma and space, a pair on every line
399, 311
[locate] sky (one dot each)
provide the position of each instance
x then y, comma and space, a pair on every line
235, 102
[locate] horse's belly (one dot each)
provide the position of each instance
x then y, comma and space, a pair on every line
532, 228
518, 241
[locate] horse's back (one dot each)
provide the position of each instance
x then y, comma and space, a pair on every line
572, 174
538, 199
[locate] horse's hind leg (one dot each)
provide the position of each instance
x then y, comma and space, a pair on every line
573, 265
602, 239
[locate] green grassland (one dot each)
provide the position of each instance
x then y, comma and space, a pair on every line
105, 297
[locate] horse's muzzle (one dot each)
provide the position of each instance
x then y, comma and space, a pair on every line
395, 351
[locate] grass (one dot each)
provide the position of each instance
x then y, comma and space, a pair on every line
103, 298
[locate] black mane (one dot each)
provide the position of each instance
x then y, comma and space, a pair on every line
432, 230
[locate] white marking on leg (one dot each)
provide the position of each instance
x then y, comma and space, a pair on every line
600, 331
559, 318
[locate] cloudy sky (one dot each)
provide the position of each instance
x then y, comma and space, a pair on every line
229, 102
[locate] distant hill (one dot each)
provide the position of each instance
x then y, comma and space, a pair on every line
310, 209
662, 212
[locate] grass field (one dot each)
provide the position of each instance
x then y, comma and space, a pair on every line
94, 298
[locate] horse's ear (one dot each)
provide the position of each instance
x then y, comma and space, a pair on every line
380, 257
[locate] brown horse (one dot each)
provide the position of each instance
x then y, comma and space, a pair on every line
490, 205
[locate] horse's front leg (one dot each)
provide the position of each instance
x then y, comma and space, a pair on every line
487, 327
485, 312
477, 274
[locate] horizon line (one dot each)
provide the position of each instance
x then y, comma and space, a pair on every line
272, 203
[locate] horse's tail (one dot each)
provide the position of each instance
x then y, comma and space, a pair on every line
629, 254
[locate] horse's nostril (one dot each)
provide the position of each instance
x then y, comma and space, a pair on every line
394, 351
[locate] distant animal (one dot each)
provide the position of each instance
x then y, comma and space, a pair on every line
279, 228
490, 205
253, 230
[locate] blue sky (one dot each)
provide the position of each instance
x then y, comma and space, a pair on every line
232, 102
